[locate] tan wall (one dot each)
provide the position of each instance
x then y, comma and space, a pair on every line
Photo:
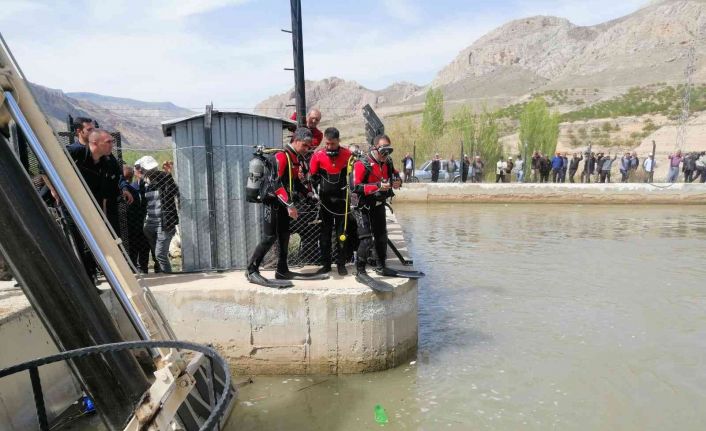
615, 193
325, 327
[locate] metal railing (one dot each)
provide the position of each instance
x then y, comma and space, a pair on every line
211, 423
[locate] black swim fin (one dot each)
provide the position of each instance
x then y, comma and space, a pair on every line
392, 272
257, 278
291, 275
376, 285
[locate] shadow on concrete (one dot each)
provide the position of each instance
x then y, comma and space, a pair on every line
154, 280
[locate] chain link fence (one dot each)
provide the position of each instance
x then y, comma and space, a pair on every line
209, 208
127, 219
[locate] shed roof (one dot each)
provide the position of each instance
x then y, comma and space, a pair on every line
168, 125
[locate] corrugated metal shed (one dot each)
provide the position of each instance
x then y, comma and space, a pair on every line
238, 223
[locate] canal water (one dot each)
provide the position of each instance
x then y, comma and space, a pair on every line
532, 317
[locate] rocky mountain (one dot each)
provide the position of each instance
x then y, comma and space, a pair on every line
137, 121
647, 46
338, 98
538, 54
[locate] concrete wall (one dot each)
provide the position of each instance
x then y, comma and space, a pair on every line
325, 327
614, 193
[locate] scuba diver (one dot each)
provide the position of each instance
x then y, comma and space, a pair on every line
328, 168
374, 178
277, 190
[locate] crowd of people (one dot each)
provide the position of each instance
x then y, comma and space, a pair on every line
151, 196
560, 168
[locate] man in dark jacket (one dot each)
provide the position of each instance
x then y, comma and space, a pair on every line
574, 165
435, 168
465, 165
536, 157
545, 166
689, 167
564, 168
591, 162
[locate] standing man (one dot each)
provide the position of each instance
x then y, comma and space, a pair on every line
634, 164
500, 167
279, 209
465, 166
162, 217
451, 169
313, 118
625, 167
606, 167
574, 166
374, 179
520, 169
649, 166
328, 170
689, 167
138, 246
435, 168
535, 166
478, 166
408, 166
564, 167
674, 161
509, 166
557, 166
98, 172
116, 186
545, 166
701, 167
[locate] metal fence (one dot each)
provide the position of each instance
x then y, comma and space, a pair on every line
130, 218
191, 214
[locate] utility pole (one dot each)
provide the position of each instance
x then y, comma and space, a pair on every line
298, 53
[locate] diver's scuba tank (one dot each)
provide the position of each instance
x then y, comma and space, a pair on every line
256, 178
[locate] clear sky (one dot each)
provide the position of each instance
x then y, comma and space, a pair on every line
232, 52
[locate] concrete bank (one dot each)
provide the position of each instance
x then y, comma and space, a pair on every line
614, 193
335, 326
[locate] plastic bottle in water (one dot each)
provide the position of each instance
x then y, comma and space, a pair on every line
380, 415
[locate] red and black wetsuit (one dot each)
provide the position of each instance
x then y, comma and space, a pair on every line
276, 217
330, 173
368, 175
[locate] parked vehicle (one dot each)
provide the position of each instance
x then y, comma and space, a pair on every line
423, 174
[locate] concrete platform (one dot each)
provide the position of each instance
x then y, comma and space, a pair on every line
567, 193
317, 327
335, 326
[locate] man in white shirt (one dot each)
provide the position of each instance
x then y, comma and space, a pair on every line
500, 171
649, 165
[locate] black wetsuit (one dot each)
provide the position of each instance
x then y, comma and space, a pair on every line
276, 217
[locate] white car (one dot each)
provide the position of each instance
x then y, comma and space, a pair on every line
423, 174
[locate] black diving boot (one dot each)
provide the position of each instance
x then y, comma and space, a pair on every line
342, 269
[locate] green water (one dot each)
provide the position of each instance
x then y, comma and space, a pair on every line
531, 317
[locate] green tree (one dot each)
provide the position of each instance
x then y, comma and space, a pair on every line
539, 128
433, 118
